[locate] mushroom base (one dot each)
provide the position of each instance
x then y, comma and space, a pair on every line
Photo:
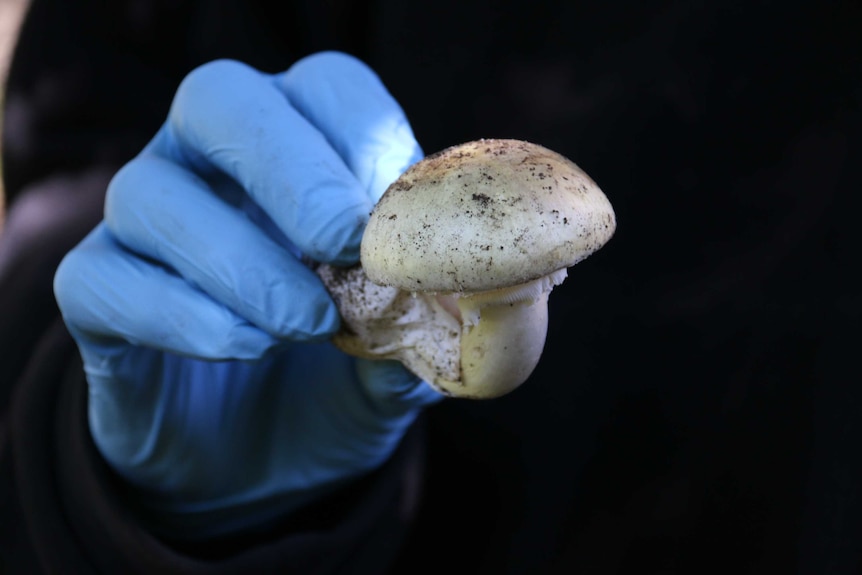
501, 351
468, 347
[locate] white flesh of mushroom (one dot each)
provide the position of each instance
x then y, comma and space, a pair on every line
481, 345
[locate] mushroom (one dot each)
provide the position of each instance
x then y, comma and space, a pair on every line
458, 259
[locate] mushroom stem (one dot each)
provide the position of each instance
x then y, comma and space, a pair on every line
477, 346
502, 336
501, 351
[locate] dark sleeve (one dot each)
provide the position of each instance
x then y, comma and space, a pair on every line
80, 100
89, 83
64, 511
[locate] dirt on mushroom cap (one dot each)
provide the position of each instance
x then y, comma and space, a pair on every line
484, 215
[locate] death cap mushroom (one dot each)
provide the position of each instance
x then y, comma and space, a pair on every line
487, 229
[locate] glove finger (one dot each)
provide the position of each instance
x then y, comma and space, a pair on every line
230, 118
109, 296
162, 211
349, 104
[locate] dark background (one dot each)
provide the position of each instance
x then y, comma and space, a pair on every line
698, 406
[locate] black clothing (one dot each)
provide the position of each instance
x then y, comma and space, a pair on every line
697, 406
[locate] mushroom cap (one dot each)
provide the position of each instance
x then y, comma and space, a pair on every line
484, 215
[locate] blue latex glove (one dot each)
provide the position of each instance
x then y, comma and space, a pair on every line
212, 386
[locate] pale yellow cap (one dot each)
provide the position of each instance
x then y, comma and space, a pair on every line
484, 215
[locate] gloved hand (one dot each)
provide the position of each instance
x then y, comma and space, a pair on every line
212, 387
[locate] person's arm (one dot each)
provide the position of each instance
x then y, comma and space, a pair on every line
90, 133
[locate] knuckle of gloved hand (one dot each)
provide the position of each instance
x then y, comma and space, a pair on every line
68, 277
123, 185
333, 63
331, 59
239, 339
133, 201
215, 77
